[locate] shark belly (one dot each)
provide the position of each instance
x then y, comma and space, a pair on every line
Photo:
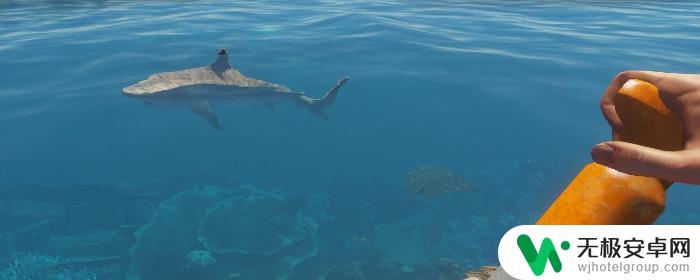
221, 94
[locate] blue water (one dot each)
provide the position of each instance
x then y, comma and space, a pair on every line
504, 93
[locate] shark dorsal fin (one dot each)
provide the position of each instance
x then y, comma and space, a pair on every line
221, 63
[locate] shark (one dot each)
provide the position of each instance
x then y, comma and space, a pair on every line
201, 87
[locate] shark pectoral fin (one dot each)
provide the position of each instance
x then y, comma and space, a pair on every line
203, 109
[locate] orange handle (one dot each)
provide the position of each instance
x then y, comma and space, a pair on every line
604, 196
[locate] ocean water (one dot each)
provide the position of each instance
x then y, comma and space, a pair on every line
95, 185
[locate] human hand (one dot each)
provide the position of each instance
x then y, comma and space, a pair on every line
681, 94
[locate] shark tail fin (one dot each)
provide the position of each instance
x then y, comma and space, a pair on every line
318, 106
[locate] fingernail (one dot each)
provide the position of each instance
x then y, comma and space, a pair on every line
602, 153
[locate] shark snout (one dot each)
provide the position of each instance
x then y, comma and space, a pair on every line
127, 92
132, 90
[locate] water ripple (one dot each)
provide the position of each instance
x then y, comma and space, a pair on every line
77, 37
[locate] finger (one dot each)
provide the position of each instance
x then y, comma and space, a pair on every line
640, 160
690, 171
607, 103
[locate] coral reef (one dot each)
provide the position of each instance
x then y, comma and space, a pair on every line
224, 233
350, 271
191, 231
26, 266
200, 258
267, 229
163, 243
407, 241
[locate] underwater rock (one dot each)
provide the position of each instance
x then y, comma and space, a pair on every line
223, 233
28, 209
88, 239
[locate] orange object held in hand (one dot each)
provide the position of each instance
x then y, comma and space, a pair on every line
603, 196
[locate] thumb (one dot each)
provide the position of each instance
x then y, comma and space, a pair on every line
637, 160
